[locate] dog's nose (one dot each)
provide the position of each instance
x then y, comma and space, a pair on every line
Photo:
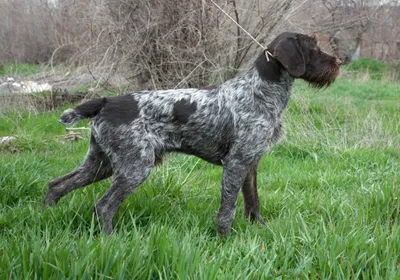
338, 61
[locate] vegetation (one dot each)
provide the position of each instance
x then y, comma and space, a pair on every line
329, 193
376, 69
19, 69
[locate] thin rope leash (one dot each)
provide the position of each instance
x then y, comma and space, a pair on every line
267, 53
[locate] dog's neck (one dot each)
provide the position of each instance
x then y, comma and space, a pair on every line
268, 69
269, 75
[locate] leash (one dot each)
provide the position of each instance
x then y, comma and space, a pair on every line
267, 53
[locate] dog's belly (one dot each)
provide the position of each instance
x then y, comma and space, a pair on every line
213, 154
208, 144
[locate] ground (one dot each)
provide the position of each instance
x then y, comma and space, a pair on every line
329, 194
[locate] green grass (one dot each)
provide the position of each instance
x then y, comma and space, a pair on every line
329, 193
363, 64
20, 69
376, 70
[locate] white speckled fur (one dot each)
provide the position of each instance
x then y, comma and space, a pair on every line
231, 125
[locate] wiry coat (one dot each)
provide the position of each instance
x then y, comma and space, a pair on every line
231, 125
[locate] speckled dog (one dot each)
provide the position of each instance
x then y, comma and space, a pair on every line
231, 125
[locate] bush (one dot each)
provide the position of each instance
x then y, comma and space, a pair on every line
153, 44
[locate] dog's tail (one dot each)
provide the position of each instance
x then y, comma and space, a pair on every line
86, 110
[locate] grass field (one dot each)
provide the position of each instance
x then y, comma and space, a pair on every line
329, 193
21, 69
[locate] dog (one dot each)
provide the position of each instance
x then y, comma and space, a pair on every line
232, 125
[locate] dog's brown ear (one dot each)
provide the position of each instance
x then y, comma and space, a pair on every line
290, 55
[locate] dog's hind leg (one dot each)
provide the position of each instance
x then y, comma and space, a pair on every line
95, 167
250, 195
130, 171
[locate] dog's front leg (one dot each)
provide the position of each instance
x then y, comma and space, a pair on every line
233, 178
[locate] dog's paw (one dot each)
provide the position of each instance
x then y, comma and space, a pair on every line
255, 218
223, 225
49, 200
259, 219
223, 230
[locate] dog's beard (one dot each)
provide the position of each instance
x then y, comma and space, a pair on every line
325, 78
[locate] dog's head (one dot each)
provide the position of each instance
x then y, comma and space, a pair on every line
301, 56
